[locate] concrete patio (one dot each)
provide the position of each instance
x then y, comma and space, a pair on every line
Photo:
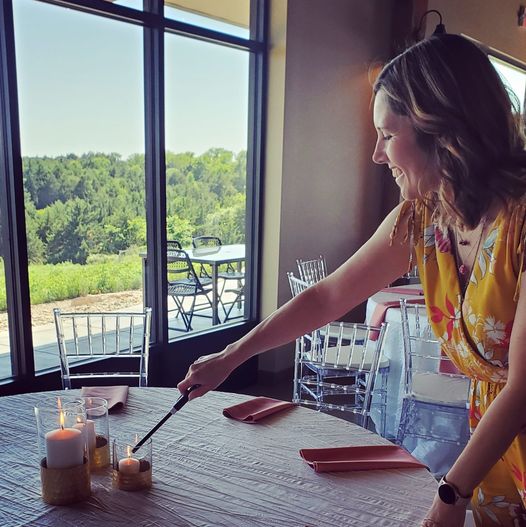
45, 337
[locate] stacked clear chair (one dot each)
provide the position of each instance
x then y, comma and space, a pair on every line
336, 369
312, 271
86, 338
434, 416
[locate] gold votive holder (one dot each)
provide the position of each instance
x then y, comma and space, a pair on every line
132, 471
62, 486
100, 455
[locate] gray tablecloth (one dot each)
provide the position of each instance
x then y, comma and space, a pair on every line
212, 471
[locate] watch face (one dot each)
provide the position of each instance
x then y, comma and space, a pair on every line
447, 494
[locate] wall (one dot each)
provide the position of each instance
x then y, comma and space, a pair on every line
323, 194
492, 22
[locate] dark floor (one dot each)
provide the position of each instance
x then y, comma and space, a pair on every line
278, 390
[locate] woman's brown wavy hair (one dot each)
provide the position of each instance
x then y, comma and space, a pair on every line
466, 118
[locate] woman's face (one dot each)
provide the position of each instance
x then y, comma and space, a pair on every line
397, 147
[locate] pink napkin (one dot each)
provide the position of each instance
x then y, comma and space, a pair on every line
350, 458
446, 366
115, 395
403, 291
254, 410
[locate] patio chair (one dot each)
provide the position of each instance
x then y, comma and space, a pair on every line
346, 333
434, 417
336, 369
171, 246
184, 283
312, 271
86, 338
230, 273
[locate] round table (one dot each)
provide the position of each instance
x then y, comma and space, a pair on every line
212, 471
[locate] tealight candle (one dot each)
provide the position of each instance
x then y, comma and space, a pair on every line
64, 446
129, 465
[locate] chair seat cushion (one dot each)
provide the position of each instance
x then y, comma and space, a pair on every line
438, 388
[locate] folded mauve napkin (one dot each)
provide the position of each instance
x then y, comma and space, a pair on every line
403, 290
352, 458
115, 395
256, 409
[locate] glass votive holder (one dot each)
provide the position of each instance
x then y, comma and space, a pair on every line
132, 471
97, 432
64, 466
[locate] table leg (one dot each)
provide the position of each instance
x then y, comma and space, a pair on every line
144, 292
215, 296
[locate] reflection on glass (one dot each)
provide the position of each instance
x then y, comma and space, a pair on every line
81, 116
228, 16
514, 78
206, 151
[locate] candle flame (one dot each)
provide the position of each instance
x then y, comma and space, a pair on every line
129, 450
61, 419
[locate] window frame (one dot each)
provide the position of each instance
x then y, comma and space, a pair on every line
164, 354
500, 56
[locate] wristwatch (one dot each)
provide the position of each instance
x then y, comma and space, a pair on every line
450, 495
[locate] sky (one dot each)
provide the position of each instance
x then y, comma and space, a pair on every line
80, 80
80, 85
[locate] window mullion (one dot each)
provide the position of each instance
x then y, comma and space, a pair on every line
14, 244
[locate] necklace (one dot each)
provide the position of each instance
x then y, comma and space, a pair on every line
462, 267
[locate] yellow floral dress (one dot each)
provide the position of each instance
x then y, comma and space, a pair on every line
474, 329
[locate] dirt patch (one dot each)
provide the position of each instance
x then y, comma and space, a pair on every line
42, 314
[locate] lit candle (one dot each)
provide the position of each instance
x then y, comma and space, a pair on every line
64, 446
129, 465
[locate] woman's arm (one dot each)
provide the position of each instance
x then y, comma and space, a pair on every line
374, 265
504, 419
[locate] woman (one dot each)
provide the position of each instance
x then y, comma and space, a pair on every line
447, 131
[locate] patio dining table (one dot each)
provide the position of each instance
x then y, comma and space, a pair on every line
214, 257
212, 471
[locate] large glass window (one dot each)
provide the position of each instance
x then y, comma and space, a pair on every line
81, 96
513, 76
88, 118
206, 146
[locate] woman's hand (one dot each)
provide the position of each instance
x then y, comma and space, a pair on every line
443, 515
208, 371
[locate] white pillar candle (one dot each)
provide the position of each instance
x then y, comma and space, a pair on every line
129, 465
64, 448
92, 436
88, 429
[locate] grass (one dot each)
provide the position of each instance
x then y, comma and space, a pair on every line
50, 283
